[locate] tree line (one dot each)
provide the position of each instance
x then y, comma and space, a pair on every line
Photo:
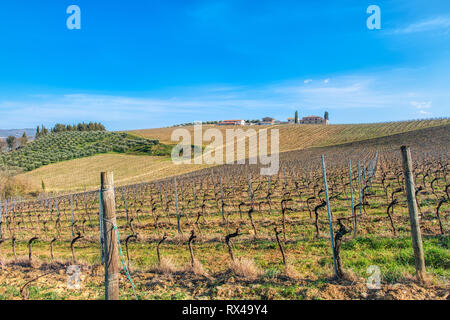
13, 143
91, 126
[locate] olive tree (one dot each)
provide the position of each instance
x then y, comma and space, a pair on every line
12, 142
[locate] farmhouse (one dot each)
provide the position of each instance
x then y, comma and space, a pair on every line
267, 121
291, 120
232, 123
313, 120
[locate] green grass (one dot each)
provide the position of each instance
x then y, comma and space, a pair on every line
394, 256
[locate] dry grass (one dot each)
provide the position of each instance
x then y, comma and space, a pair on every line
41, 264
245, 268
291, 272
181, 238
351, 276
197, 269
57, 264
22, 262
13, 186
167, 266
75, 174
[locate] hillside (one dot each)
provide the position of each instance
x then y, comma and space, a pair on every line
75, 174
128, 169
294, 137
57, 147
423, 141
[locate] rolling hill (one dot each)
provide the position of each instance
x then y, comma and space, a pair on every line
78, 173
63, 146
294, 137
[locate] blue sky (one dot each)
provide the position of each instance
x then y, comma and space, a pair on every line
144, 64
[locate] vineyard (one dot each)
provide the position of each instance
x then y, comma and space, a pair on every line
229, 233
301, 137
65, 146
128, 168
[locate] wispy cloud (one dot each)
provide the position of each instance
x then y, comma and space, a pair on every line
346, 94
131, 111
437, 23
307, 81
422, 105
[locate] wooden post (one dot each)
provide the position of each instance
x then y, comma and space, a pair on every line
413, 215
101, 226
111, 255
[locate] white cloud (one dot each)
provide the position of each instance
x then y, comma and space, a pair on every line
422, 105
343, 89
437, 23
307, 81
377, 90
326, 80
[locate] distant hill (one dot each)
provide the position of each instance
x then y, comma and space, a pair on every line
4, 133
57, 147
